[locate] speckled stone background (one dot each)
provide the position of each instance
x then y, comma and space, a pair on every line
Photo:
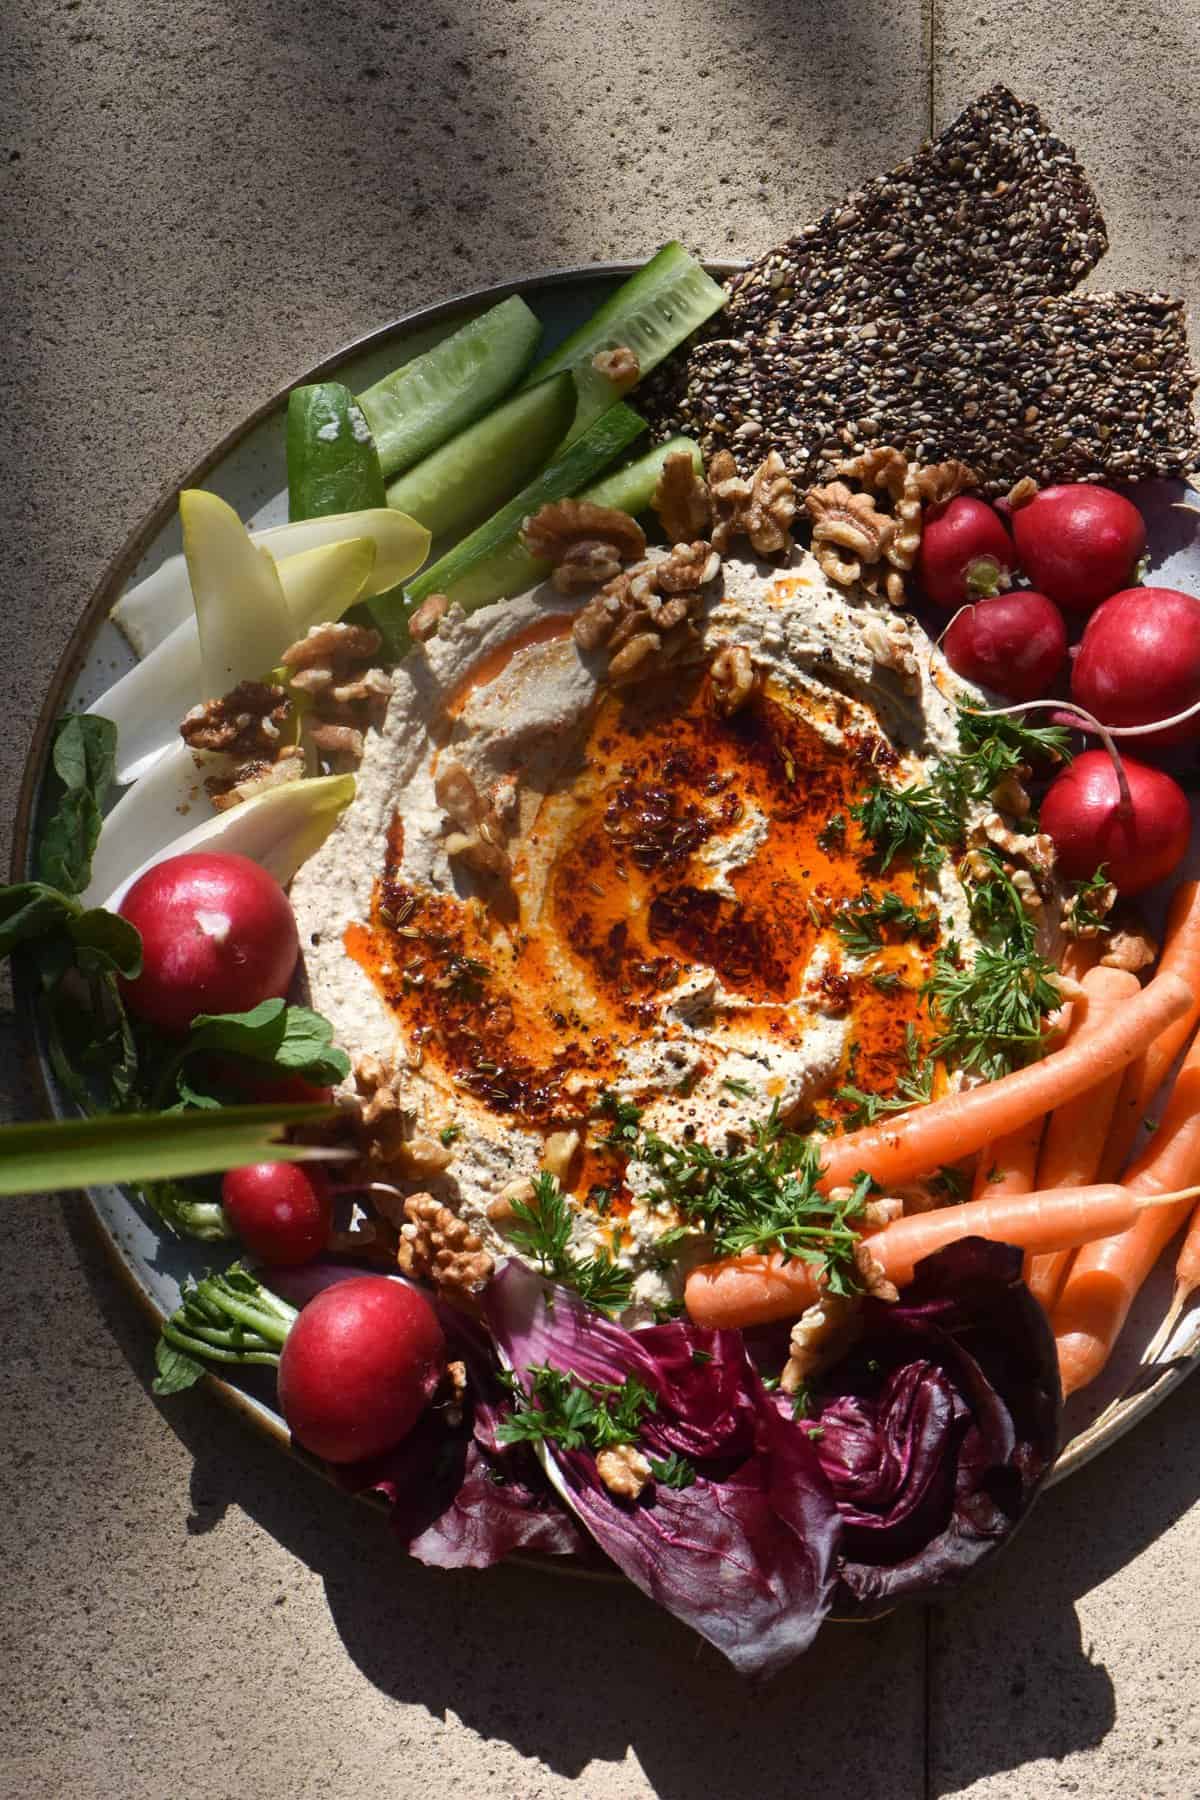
199, 202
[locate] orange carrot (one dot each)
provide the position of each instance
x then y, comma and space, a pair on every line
1144, 1077
1078, 956
1106, 1277
1009, 1165
752, 1290
1075, 1135
946, 1130
1187, 1280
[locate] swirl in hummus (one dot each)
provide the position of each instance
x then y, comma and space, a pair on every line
654, 917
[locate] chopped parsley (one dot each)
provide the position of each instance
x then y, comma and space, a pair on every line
861, 928
575, 1414
762, 1196
913, 1088
992, 1011
541, 1228
916, 821
673, 1471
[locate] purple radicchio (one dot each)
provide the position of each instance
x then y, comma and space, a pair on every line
745, 1554
459, 1499
938, 1429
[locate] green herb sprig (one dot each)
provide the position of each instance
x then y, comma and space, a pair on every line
761, 1197
541, 1228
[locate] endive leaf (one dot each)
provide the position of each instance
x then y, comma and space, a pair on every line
153, 609
279, 829
151, 815
75, 1153
240, 609
147, 704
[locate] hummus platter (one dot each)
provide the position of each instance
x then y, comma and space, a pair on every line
638, 956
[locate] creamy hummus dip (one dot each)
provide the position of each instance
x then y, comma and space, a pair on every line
665, 934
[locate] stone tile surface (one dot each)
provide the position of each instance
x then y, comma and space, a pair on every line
198, 204
1073, 1669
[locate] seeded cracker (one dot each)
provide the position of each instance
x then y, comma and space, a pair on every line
994, 206
1067, 388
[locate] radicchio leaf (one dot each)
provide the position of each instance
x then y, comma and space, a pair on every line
745, 1554
459, 1499
938, 1430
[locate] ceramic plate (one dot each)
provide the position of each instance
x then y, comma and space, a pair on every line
248, 470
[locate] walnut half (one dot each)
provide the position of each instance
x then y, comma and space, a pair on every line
438, 1246
585, 543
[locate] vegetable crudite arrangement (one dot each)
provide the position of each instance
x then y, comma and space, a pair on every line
643, 930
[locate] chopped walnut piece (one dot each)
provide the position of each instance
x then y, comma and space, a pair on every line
585, 543
1035, 849
732, 679
331, 664
856, 538
1131, 945
848, 531
819, 1337
332, 645
385, 1124
522, 1191
246, 722
478, 840
681, 499
684, 569
890, 643
558, 1153
872, 1274
1099, 901
1010, 795
623, 1470
436, 1245
1022, 494
456, 1376
428, 616
938, 483
337, 740
645, 617
253, 778
762, 508
618, 365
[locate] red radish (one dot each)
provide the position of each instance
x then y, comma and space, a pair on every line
218, 935
965, 552
282, 1212
1123, 814
359, 1367
260, 1084
1014, 643
1079, 543
1139, 661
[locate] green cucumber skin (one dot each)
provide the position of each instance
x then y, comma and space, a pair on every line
473, 475
512, 570
330, 473
421, 405
631, 489
577, 464
651, 312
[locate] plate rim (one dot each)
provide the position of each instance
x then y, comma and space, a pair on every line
1127, 1412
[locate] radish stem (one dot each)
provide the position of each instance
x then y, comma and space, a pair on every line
1125, 803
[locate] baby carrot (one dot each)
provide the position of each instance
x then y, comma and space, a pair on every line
1105, 1278
752, 1290
1187, 1280
1144, 1077
1009, 1165
946, 1130
1075, 1134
